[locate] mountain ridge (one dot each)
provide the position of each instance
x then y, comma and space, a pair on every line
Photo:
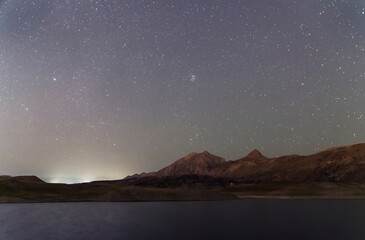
335, 173
343, 164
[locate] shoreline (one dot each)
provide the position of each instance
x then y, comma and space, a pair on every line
250, 197
33, 190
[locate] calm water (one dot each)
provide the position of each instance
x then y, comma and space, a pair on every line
247, 219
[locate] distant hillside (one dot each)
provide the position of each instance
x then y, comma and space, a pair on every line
339, 164
333, 173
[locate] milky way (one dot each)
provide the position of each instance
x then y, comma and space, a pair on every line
101, 89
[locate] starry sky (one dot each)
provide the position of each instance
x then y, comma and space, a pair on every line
99, 89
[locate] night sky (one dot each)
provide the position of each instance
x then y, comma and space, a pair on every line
98, 89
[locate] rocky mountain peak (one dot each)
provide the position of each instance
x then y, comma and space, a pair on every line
255, 154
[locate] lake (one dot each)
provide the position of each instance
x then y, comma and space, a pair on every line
244, 219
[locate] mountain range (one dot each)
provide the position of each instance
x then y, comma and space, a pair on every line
337, 164
337, 172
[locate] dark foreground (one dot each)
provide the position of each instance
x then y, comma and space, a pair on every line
187, 188
244, 219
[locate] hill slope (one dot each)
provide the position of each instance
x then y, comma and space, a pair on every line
194, 163
340, 164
